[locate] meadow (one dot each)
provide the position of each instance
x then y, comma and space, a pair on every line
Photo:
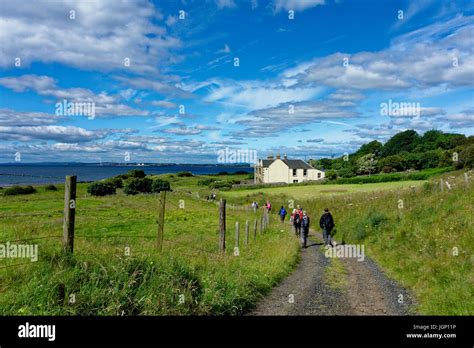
116, 268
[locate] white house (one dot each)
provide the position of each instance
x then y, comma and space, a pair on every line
278, 170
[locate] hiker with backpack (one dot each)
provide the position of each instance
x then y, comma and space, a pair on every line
297, 221
282, 214
304, 229
327, 224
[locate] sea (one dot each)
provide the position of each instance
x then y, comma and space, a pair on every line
29, 174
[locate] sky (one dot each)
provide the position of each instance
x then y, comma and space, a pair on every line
179, 81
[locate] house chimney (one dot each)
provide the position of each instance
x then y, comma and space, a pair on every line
270, 157
284, 157
278, 156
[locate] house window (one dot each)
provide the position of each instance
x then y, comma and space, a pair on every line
294, 172
319, 175
305, 172
295, 181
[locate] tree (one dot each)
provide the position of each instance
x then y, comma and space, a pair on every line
403, 141
374, 147
395, 162
466, 158
367, 164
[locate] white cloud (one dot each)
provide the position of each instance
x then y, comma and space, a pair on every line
296, 5
101, 36
105, 105
225, 4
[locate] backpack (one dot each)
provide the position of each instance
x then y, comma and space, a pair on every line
327, 222
283, 212
305, 222
296, 219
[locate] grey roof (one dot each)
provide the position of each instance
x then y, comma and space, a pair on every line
292, 164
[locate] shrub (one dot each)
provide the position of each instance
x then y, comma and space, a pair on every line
50, 188
132, 186
136, 173
206, 182
116, 181
221, 185
223, 173
159, 185
101, 188
184, 174
19, 190
241, 172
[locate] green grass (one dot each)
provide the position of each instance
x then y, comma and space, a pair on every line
335, 274
309, 191
106, 281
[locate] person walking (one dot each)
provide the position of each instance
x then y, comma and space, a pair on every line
327, 224
282, 214
304, 229
297, 222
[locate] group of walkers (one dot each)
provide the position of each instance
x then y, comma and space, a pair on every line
300, 221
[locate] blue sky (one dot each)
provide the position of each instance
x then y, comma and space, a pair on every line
310, 86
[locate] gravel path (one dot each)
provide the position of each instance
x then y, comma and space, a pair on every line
306, 290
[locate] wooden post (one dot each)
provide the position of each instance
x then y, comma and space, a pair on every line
441, 184
69, 213
161, 220
237, 232
262, 226
255, 230
222, 225
246, 232
466, 178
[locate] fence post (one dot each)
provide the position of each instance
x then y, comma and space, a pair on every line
69, 213
466, 178
237, 234
161, 220
246, 232
262, 224
441, 184
255, 231
222, 225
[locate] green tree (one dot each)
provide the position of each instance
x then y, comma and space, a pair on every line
367, 164
374, 147
403, 141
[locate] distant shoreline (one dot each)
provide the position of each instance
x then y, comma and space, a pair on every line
48, 173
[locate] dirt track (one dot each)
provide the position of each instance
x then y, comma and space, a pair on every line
307, 290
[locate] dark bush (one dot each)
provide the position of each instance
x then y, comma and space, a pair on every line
101, 188
132, 186
19, 190
116, 181
184, 174
241, 172
136, 173
50, 188
159, 185
223, 173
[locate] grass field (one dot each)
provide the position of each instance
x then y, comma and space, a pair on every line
310, 191
188, 277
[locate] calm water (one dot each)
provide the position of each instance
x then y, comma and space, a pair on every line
54, 174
